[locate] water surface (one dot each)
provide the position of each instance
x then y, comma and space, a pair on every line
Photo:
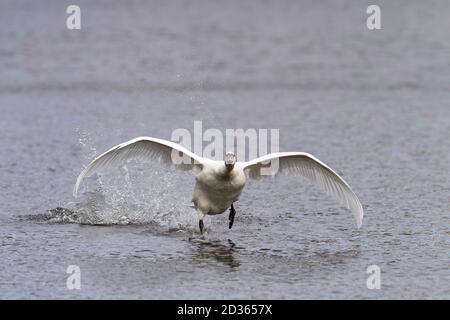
374, 105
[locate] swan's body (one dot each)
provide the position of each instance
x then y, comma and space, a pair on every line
216, 188
219, 183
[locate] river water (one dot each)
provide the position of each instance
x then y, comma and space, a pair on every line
374, 105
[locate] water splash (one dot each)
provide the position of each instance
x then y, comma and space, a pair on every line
136, 193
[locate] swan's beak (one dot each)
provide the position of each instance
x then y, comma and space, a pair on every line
230, 159
229, 162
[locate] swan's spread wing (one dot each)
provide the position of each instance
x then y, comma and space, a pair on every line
312, 169
143, 148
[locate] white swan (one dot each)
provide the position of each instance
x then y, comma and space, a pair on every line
219, 183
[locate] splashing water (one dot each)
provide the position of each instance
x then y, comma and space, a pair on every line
139, 195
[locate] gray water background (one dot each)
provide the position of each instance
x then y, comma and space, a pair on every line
374, 105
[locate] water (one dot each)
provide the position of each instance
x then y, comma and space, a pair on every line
374, 105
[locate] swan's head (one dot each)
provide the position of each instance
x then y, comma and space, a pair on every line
230, 160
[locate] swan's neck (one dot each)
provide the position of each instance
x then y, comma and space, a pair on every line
226, 170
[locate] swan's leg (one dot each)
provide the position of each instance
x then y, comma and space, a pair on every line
231, 217
200, 221
200, 225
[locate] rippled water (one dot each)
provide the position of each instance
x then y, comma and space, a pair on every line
374, 105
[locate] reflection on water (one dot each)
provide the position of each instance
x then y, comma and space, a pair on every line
210, 251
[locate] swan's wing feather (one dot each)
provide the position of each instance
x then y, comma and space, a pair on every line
141, 148
311, 168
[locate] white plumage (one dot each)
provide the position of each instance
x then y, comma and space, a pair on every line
220, 183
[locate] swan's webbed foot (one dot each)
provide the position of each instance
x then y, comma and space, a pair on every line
200, 225
231, 217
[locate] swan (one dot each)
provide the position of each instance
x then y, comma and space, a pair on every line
218, 184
